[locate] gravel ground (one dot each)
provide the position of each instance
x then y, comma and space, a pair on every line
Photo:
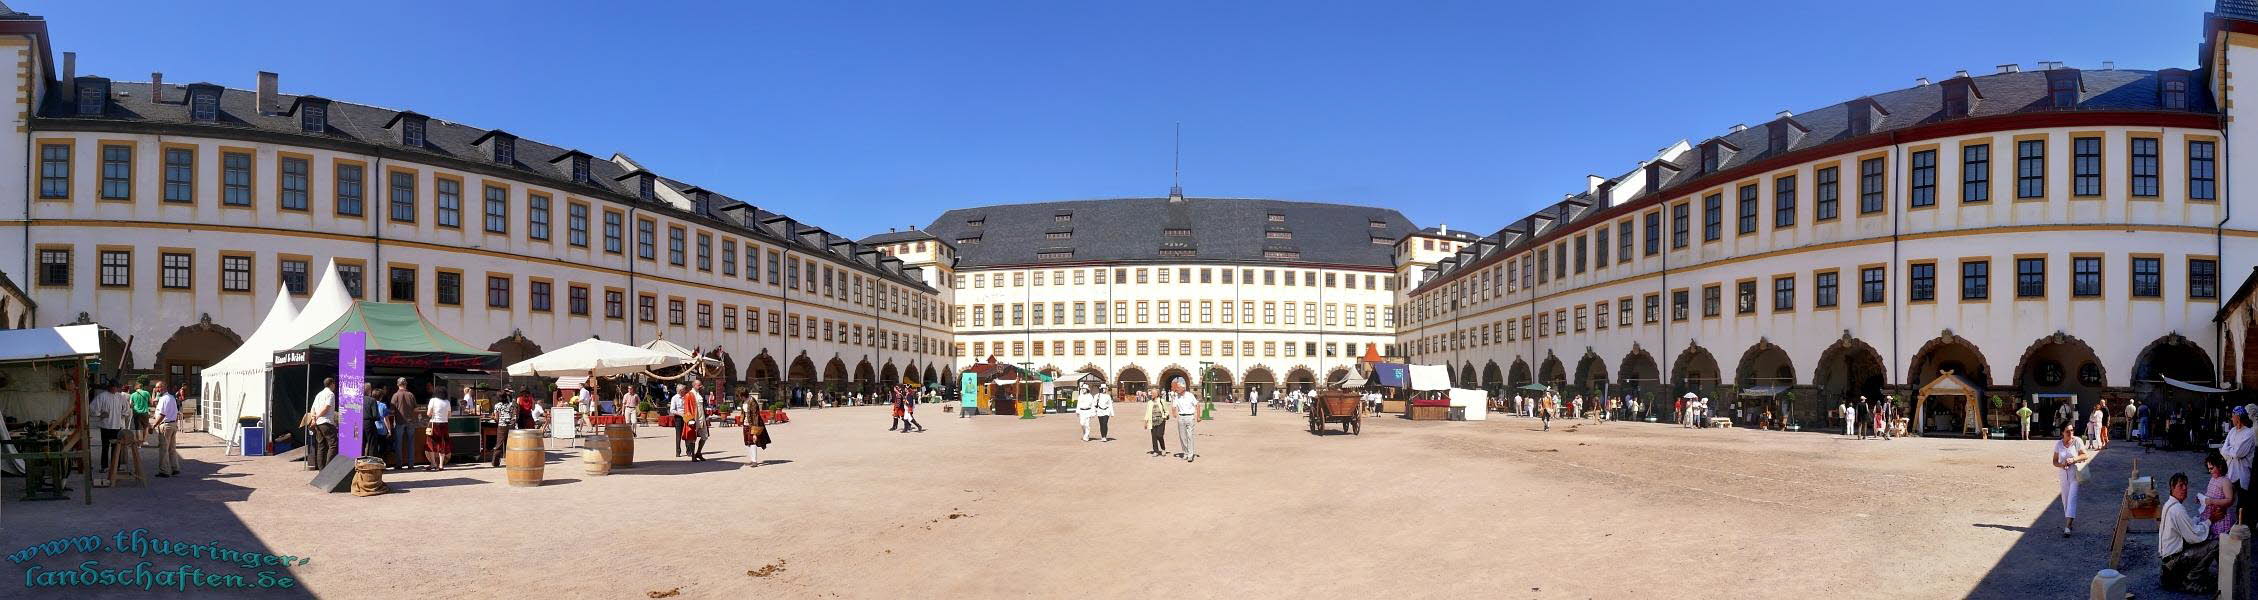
998, 506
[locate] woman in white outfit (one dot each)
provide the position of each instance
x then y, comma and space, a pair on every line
2067, 454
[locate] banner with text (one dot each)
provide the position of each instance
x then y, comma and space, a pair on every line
352, 394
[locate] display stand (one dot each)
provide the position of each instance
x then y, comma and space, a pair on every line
2139, 504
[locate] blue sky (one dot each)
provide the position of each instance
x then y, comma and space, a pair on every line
863, 116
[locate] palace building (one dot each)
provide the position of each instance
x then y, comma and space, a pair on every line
2053, 233
175, 213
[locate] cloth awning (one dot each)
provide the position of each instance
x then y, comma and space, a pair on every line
594, 357
2194, 387
1392, 374
1534, 387
398, 336
687, 355
1763, 391
571, 382
1426, 378
69, 341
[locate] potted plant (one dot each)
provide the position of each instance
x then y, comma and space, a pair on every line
1787, 399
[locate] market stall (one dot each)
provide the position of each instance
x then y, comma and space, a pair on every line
1394, 376
43, 387
401, 343
235, 388
1430, 398
1008, 386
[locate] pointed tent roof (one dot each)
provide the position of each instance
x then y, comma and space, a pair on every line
258, 350
398, 335
687, 355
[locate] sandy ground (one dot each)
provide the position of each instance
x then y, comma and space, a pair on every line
1003, 507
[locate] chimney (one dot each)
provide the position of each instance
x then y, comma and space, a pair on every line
2109, 65
156, 87
70, 75
1737, 127
1442, 228
270, 95
1785, 114
1960, 73
1920, 82
2011, 68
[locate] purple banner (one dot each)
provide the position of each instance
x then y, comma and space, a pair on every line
352, 394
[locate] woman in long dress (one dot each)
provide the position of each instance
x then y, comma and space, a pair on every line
2068, 452
756, 435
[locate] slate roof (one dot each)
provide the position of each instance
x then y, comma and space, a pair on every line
2246, 10
1226, 230
1994, 95
361, 128
893, 237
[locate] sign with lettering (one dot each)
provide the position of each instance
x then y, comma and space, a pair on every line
352, 391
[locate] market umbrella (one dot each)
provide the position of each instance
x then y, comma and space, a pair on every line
1534, 387
594, 357
1691, 396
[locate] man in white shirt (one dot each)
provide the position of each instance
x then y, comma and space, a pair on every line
1104, 412
436, 447
167, 428
1251, 404
112, 413
1187, 409
2240, 444
674, 408
1085, 408
324, 417
2185, 547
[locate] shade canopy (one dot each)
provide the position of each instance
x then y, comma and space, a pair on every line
69, 341
1534, 387
1763, 391
2194, 387
1392, 374
1427, 378
595, 357
398, 336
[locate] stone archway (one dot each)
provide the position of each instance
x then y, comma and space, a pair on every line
1765, 368
1132, 379
1171, 373
2179, 358
2059, 363
888, 375
1493, 378
1641, 377
1260, 379
1695, 371
1091, 370
1519, 375
1947, 353
803, 371
515, 348
1217, 381
1300, 378
835, 373
1849, 369
762, 370
864, 373
1552, 374
1463, 376
1339, 377
930, 377
182, 358
1591, 375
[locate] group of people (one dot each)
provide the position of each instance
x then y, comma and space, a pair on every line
2189, 527
1181, 404
1092, 403
1865, 418
905, 401
124, 422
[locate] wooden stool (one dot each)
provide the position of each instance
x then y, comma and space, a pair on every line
129, 452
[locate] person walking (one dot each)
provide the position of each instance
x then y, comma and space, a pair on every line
675, 411
404, 424
505, 420
1156, 419
897, 422
694, 420
142, 402
1105, 414
2024, 414
1849, 418
167, 415
1187, 409
756, 436
112, 413
2097, 426
1252, 406
2068, 454
1085, 409
324, 419
909, 414
435, 446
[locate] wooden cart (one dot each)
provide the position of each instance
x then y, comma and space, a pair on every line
1337, 406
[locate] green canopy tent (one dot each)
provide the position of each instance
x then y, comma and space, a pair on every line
1534, 387
401, 343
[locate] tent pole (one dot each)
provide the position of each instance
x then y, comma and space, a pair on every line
86, 451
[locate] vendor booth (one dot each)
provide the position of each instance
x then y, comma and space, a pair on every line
1469, 404
1430, 400
1008, 386
43, 424
1946, 406
1396, 377
235, 388
401, 343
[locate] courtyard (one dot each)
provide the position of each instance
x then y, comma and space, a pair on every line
997, 506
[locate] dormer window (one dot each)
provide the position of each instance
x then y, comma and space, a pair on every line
1278, 235
2064, 91
411, 132
646, 187
2172, 93
580, 168
1377, 224
1176, 232
1064, 217
1960, 95
93, 95
204, 105
1709, 158
1277, 218
505, 150
976, 222
1861, 120
313, 117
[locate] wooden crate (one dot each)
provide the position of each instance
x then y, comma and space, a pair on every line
1429, 413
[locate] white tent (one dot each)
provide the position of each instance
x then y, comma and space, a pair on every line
1475, 403
237, 385
36, 398
595, 357
1429, 378
670, 348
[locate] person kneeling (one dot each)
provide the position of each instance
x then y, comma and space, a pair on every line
2185, 547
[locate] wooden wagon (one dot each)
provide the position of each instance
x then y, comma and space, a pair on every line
1337, 406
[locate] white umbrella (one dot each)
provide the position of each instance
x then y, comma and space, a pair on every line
1691, 396
594, 357
674, 349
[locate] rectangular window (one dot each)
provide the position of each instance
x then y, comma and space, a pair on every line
1783, 294
400, 284
1975, 280
2202, 278
403, 196
235, 273
612, 232
235, 179
1827, 194
448, 287
54, 171
174, 270
2148, 277
576, 224
353, 278
1623, 312
615, 304
1870, 186
1623, 237
294, 183
1679, 301
537, 216
180, 175
2030, 277
1923, 191
647, 239
1599, 248
450, 202
729, 258
2030, 169
1680, 221
293, 275
1824, 287
349, 190
1712, 217
676, 315
1783, 202
705, 252
1872, 288
497, 291
537, 296
676, 243
2202, 176
1975, 173
1744, 297
1922, 278
497, 209
116, 268
117, 172
1745, 220
2085, 166
1712, 300
647, 311
576, 301
1654, 233
2143, 167
2085, 276
1579, 245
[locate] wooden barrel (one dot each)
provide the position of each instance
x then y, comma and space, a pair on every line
595, 457
621, 437
525, 457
